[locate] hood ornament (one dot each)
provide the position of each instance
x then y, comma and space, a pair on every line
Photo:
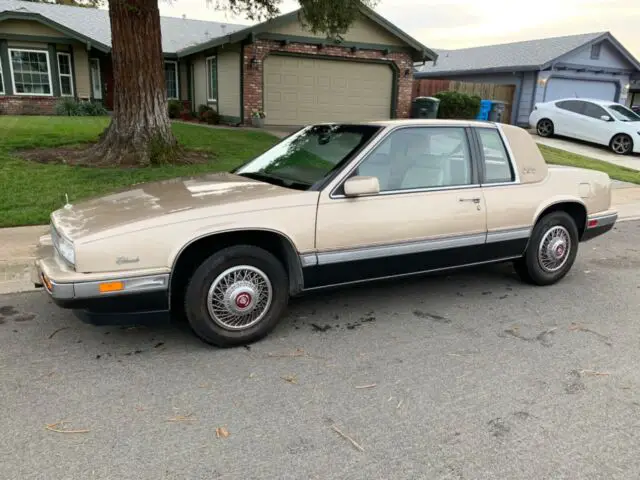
67, 205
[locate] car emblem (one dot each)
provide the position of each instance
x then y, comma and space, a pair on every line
123, 260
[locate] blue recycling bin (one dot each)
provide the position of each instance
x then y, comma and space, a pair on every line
485, 109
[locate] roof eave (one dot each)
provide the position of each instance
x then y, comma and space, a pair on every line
599, 38
510, 69
419, 51
13, 15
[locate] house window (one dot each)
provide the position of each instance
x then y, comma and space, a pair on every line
212, 75
171, 79
64, 71
595, 51
30, 71
2, 90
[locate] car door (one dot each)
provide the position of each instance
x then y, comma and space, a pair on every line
428, 215
592, 127
567, 115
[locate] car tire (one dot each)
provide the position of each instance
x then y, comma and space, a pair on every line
551, 252
545, 128
621, 144
237, 296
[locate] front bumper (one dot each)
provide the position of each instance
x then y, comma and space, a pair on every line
119, 298
599, 224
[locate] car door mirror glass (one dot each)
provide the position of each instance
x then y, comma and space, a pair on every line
361, 185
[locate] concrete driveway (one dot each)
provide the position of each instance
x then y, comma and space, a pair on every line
471, 375
589, 150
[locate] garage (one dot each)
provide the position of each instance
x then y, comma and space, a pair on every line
571, 88
303, 90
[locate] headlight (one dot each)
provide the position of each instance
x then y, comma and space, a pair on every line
63, 246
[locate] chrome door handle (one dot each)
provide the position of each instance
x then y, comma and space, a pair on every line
474, 200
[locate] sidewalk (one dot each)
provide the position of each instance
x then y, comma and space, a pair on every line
18, 245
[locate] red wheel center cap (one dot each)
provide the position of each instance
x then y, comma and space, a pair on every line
560, 250
243, 300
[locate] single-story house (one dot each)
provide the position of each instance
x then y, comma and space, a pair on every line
591, 65
51, 51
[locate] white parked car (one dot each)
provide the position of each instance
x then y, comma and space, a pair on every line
597, 121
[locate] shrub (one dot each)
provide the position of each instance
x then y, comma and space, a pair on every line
175, 108
458, 105
92, 109
74, 108
211, 117
202, 109
68, 107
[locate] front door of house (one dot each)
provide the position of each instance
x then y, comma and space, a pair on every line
96, 78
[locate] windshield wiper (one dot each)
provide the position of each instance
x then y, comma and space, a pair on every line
273, 180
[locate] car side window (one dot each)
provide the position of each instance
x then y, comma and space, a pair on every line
420, 157
594, 111
575, 106
497, 167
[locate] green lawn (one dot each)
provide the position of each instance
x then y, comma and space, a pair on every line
560, 157
29, 191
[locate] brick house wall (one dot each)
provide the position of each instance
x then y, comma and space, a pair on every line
27, 105
260, 49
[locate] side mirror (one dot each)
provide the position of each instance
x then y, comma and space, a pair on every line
605, 118
357, 186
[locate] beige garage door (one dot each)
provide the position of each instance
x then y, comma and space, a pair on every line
299, 91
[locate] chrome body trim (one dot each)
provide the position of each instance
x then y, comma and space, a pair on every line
383, 251
413, 274
507, 235
603, 220
87, 290
408, 248
309, 260
413, 190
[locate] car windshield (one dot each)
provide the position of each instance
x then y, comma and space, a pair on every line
309, 155
623, 114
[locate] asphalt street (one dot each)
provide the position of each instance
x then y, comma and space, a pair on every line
472, 375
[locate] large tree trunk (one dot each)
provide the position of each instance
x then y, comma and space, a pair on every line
140, 130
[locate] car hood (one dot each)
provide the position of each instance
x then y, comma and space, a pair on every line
150, 204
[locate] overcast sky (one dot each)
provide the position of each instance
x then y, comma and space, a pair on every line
467, 23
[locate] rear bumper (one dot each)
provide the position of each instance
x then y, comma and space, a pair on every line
121, 298
599, 224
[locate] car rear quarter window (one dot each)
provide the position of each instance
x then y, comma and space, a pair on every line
497, 166
575, 106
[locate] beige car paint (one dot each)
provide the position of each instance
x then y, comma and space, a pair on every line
150, 224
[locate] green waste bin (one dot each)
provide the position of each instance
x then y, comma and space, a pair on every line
425, 107
496, 114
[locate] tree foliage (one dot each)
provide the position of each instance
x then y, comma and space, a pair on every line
72, 3
330, 17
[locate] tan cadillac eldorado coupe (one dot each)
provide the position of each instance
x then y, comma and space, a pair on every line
329, 205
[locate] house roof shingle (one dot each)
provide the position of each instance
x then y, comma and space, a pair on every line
177, 33
529, 54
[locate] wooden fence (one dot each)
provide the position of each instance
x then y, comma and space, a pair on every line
427, 87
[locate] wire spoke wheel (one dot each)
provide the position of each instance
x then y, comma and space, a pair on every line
555, 248
239, 297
